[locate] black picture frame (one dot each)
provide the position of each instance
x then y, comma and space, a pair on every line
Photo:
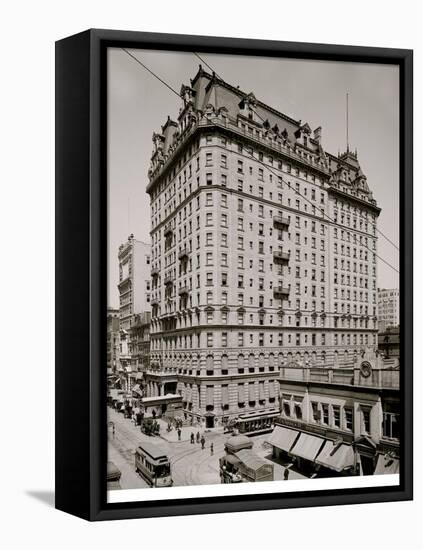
81, 131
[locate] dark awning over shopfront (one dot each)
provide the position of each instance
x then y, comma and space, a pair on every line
282, 438
307, 446
387, 465
337, 457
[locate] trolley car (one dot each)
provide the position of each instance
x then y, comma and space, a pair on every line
257, 422
152, 463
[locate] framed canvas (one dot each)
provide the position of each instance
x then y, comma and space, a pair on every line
233, 274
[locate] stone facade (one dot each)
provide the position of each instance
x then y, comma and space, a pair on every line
263, 251
388, 308
134, 280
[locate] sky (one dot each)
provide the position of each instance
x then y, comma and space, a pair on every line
313, 91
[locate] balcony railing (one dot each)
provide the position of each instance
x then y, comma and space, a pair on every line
168, 280
387, 378
280, 257
183, 254
281, 292
183, 290
167, 231
281, 222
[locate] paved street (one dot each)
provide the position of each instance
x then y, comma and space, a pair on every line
189, 463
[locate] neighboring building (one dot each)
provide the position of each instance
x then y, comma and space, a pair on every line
112, 341
389, 342
134, 280
139, 343
134, 298
247, 275
340, 421
388, 308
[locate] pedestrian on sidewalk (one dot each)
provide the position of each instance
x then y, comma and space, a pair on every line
203, 442
179, 434
286, 474
211, 448
192, 438
198, 437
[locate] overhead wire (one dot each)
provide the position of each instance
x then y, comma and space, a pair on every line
252, 156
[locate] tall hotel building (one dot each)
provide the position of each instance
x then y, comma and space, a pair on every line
249, 273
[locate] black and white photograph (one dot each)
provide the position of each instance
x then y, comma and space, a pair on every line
253, 319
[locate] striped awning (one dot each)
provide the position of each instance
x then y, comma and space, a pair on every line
337, 457
307, 446
251, 392
387, 465
210, 395
283, 438
241, 393
225, 395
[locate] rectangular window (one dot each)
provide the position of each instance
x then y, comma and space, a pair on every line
315, 411
365, 420
325, 413
336, 416
209, 339
348, 414
391, 425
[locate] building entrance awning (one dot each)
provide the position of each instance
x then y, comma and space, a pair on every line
387, 465
337, 457
307, 446
282, 438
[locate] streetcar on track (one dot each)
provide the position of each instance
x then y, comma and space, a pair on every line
152, 463
256, 422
